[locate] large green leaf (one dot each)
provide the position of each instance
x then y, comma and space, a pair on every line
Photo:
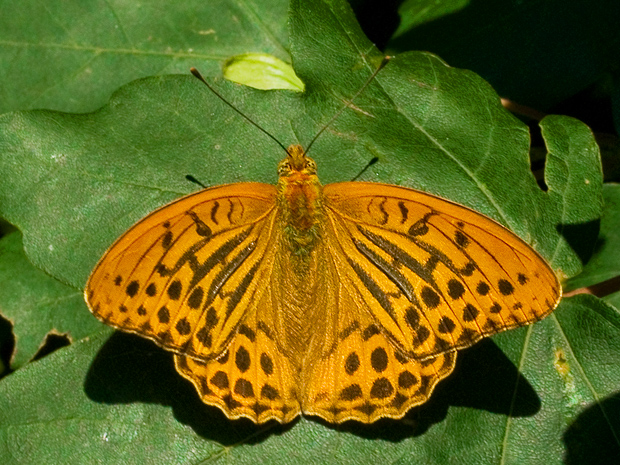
431, 126
73, 183
71, 55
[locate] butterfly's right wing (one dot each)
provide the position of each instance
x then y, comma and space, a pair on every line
186, 275
435, 276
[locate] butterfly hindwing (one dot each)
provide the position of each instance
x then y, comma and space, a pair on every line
436, 276
184, 275
361, 375
252, 378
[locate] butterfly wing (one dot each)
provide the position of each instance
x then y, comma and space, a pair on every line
187, 274
356, 373
434, 275
254, 378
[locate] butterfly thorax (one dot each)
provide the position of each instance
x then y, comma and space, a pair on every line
300, 198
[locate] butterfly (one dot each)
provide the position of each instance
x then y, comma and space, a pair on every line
347, 301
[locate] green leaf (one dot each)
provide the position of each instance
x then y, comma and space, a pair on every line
262, 71
77, 406
571, 143
72, 55
414, 13
37, 304
571, 360
73, 183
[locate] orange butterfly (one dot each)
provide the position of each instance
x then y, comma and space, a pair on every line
345, 301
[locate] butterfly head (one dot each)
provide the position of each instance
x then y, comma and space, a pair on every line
296, 164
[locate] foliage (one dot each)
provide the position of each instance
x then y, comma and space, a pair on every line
73, 182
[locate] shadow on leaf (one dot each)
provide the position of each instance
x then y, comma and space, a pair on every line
593, 436
485, 379
131, 369
581, 238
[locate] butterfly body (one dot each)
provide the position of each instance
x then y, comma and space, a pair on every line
346, 301
300, 201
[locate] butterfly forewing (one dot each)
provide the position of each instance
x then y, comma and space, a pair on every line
434, 275
185, 275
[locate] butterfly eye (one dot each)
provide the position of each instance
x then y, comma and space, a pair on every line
311, 166
284, 168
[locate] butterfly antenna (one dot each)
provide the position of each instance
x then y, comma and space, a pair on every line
349, 103
197, 74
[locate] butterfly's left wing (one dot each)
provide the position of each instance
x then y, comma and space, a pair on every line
435, 276
187, 274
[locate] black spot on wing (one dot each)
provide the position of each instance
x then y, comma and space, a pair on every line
269, 392
132, 288
175, 289
406, 379
370, 331
455, 289
151, 290
247, 332
242, 359
404, 212
352, 392
420, 227
195, 298
352, 363
461, 240
379, 359
202, 229
483, 288
183, 327
266, 364
220, 380
430, 298
244, 388
446, 325
470, 312
505, 287
163, 314
381, 389
167, 239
